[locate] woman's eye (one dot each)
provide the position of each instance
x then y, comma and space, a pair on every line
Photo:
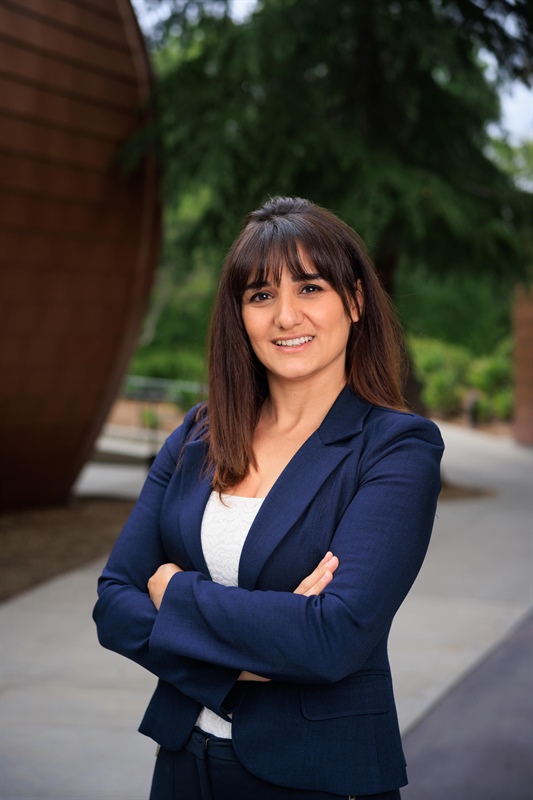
311, 289
259, 297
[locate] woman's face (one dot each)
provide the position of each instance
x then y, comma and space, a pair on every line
298, 330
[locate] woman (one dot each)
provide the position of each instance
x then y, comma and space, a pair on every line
274, 677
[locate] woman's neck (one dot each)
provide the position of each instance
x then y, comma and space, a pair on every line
293, 405
289, 416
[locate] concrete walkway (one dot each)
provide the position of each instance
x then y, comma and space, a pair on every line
476, 743
460, 651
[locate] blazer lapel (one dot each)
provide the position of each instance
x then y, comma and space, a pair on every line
286, 501
299, 482
193, 496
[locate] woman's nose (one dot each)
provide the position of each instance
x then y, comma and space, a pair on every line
288, 313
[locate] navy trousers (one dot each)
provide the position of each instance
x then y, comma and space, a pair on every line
208, 769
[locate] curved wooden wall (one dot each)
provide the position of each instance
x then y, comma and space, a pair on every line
78, 240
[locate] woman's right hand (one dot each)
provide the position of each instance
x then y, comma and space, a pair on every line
315, 583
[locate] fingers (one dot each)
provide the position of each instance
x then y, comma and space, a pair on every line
322, 582
320, 577
158, 583
251, 676
329, 562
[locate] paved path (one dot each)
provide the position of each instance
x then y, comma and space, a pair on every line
477, 742
70, 709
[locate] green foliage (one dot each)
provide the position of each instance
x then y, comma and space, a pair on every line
150, 418
383, 120
516, 160
491, 377
492, 373
177, 363
184, 317
455, 307
502, 405
173, 343
453, 381
377, 110
442, 369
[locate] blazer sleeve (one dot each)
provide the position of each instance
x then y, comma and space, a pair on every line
381, 541
124, 613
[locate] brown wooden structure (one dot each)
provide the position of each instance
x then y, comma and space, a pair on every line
523, 365
78, 240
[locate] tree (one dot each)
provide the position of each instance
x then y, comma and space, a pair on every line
377, 110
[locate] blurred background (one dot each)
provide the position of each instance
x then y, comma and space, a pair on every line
134, 138
391, 114
123, 153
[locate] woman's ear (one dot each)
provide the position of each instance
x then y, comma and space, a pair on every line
356, 308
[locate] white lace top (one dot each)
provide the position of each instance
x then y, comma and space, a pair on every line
225, 526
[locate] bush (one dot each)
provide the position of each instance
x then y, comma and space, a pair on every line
503, 405
150, 418
491, 377
441, 368
498, 406
173, 364
492, 373
469, 310
452, 380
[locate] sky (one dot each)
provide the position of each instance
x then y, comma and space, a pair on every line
517, 112
516, 99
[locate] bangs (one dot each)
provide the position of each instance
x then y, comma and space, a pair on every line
265, 250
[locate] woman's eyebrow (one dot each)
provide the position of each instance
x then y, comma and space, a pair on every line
308, 276
303, 276
256, 285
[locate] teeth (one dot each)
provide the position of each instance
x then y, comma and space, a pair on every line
293, 342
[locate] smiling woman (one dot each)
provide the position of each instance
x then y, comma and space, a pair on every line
292, 257
299, 329
279, 530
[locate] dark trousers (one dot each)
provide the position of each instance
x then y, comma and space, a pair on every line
208, 769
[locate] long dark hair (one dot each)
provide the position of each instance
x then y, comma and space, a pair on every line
271, 239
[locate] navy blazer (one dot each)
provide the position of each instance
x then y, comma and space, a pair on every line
364, 486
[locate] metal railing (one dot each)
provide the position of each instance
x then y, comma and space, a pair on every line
157, 390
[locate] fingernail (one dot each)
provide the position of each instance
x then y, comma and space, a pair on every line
331, 561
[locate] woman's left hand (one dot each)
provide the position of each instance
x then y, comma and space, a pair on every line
159, 581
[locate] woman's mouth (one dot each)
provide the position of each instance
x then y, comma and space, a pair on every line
293, 342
